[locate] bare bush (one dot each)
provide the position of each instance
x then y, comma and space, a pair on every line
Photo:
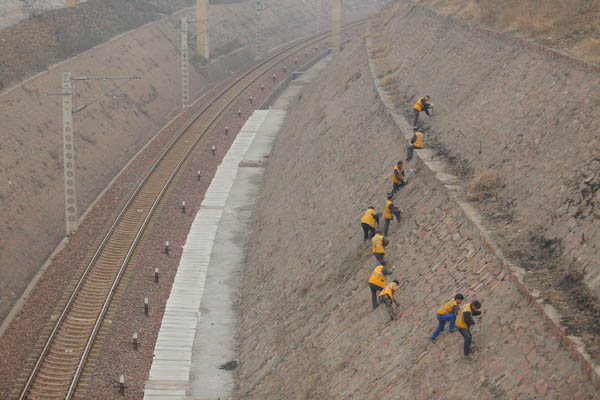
483, 185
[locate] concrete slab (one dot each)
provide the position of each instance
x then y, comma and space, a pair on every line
197, 334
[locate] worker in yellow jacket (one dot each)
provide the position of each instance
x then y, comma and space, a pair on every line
387, 297
367, 221
389, 211
377, 282
464, 322
398, 178
416, 142
421, 105
378, 243
446, 313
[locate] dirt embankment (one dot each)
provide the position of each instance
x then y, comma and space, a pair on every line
307, 327
111, 131
529, 117
568, 25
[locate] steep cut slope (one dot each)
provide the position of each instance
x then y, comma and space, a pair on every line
111, 131
526, 113
307, 328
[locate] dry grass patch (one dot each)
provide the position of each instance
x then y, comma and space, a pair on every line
588, 50
483, 185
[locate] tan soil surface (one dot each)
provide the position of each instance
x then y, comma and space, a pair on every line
307, 327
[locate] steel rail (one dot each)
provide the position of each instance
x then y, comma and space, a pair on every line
293, 48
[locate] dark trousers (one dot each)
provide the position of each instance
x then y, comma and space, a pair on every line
409, 152
386, 226
467, 336
416, 116
389, 306
368, 231
379, 257
396, 187
375, 294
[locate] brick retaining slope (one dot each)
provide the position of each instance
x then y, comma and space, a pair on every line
534, 112
307, 329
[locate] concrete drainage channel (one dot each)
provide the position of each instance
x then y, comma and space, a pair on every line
551, 316
194, 355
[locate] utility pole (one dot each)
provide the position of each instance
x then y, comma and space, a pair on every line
202, 28
71, 214
336, 25
185, 83
27, 8
69, 155
259, 29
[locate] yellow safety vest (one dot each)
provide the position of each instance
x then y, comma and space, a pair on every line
377, 277
377, 244
447, 308
388, 290
419, 140
387, 213
460, 319
394, 179
369, 218
419, 105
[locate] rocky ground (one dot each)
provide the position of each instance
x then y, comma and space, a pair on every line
307, 328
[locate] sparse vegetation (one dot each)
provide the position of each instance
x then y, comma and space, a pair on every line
565, 25
483, 185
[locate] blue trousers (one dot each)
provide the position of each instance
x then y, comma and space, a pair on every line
442, 322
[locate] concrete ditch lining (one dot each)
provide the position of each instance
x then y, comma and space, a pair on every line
573, 344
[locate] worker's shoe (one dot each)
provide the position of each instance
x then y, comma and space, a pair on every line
451, 330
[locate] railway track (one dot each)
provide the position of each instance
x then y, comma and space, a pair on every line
58, 368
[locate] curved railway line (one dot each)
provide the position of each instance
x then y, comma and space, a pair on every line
59, 367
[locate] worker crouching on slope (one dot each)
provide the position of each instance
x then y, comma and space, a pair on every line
368, 222
378, 244
464, 321
421, 105
446, 313
398, 178
377, 282
387, 297
388, 213
416, 143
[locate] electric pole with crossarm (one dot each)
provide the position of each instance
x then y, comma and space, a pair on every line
69, 143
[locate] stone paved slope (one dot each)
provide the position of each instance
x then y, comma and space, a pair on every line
535, 116
307, 329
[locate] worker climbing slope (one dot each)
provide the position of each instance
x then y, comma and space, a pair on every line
422, 105
378, 244
377, 282
447, 313
416, 143
367, 221
387, 297
465, 321
389, 211
398, 178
